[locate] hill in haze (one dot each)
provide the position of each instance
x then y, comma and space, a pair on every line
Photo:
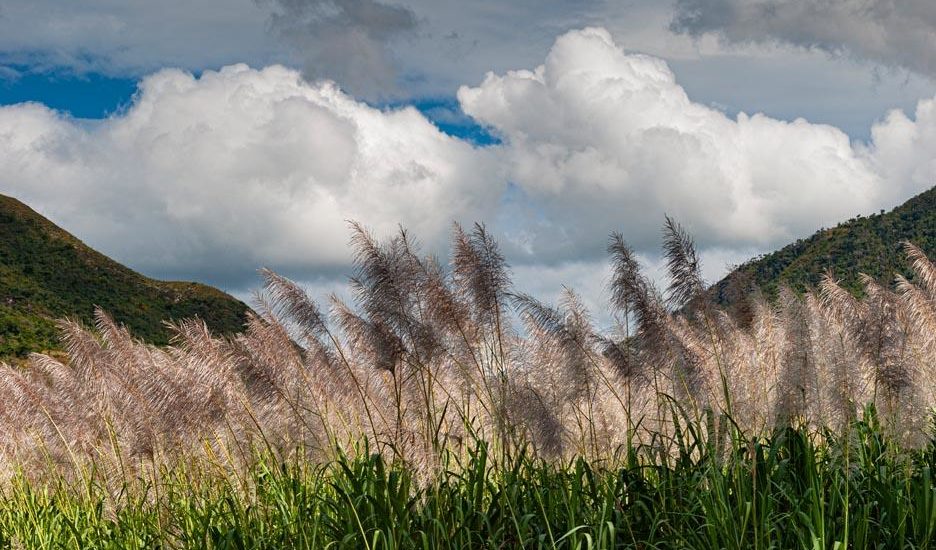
46, 274
868, 245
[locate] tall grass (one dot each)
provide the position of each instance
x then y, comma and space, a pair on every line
422, 414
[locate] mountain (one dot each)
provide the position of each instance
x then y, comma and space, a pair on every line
46, 274
868, 245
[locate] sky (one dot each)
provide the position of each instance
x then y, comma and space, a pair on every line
202, 140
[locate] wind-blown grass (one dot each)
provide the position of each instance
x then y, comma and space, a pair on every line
420, 415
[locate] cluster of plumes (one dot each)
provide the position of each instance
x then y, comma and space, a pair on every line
430, 358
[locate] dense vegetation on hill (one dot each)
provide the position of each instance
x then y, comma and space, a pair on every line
47, 274
869, 245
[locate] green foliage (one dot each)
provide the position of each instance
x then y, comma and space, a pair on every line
46, 274
794, 489
869, 245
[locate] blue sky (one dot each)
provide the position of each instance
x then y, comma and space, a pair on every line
89, 95
201, 140
97, 96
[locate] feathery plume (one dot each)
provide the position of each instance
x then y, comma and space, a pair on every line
686, 283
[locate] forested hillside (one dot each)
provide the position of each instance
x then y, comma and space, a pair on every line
869, 245
46, 274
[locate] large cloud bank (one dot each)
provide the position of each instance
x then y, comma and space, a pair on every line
211, 177
600, 138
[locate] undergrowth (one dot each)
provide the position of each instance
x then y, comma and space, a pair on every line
857, 490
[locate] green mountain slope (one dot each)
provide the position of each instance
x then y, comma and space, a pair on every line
861, 245
46, 274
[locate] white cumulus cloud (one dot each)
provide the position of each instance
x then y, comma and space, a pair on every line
217, 175
597, 139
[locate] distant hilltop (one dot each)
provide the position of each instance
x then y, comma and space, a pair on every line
869, 245
47, 274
